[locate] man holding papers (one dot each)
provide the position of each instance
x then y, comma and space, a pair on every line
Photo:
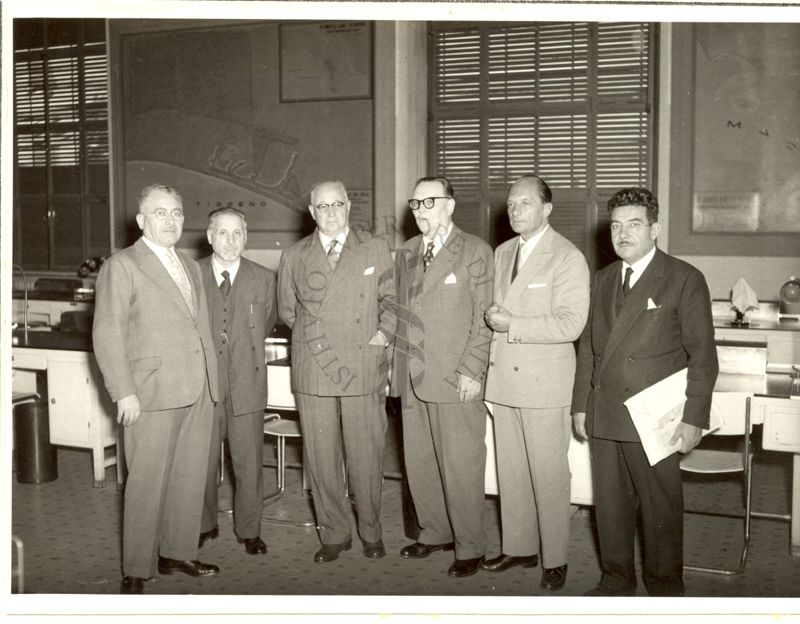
650, 317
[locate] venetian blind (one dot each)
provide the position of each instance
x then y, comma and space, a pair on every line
569, 102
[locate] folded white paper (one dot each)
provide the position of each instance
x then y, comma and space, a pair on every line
450, 279
656, 412
369, 271
651, 305
536, 285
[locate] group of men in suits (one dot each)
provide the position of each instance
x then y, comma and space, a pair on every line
181, 346
459, 325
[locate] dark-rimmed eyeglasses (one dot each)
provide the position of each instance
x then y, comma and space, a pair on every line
428, 202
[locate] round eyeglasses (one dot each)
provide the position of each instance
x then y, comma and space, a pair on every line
428, 202
162, 213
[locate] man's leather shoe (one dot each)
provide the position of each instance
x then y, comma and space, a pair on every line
192, 568
131, 585
465, 567
374, 550
419, 551
554, 578
208, 535
602, 591
504, 562
330, 552
253, 545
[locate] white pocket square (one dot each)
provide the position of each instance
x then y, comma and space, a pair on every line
651, 305
450, 279
369, 271
536, 285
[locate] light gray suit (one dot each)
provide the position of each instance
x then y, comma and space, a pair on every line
531, 371
148, 343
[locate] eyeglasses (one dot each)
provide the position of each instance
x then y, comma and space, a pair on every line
161, 213
337, 205
428, 202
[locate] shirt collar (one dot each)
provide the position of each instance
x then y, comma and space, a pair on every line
218, 269
640, 265
531, 243
326, 240
161, 252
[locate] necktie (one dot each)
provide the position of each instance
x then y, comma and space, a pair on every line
179, 277
427, 257
626, 284
225, 284
514, 268
333, 255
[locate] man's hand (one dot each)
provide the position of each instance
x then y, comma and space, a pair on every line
378, 340
579, 424
689, 436
498, 318
128, 410
468, 388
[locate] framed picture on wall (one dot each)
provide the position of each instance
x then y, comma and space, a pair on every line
735, 172
326, 61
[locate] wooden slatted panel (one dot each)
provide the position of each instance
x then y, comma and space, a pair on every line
622, 150
457, 64
623, 51
552, 146
95, 96
458, 153
568, 218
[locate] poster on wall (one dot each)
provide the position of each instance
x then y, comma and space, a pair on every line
328, 61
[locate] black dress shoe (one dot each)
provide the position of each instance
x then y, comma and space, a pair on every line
504, 562
465, 567
330, 552
602, 591
131, 585
374, 550
419, 551
192, 568
253, 545
208, 535
554, 578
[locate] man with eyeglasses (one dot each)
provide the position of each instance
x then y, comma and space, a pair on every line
541, 299
336, 291
441, 352
650, 317
242, 310
153, 345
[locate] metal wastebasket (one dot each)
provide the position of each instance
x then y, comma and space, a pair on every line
35, 456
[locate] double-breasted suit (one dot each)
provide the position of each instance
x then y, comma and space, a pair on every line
240, 324
149, 343
441, 334
529, 383
664, 325
333, 314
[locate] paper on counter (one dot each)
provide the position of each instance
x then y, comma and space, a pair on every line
743, 297
656, 412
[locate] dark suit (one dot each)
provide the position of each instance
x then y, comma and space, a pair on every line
621, 353
339, 379
441, 333
239, 414
148, 343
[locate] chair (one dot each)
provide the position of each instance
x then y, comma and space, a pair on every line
280, 397
734, 411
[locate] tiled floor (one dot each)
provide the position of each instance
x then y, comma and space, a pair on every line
71, 533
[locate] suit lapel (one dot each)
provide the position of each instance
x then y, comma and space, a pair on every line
538, 258
350, 263
442, 263
152, 267
635, 304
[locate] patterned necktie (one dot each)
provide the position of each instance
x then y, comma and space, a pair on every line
515, 267
333, 255
225, 284
179, 277
626, 284
427, 257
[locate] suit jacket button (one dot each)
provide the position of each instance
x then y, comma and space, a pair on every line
251, 326
254, 348
516, 369
256, 368
631, 359
491, 363
358, 320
